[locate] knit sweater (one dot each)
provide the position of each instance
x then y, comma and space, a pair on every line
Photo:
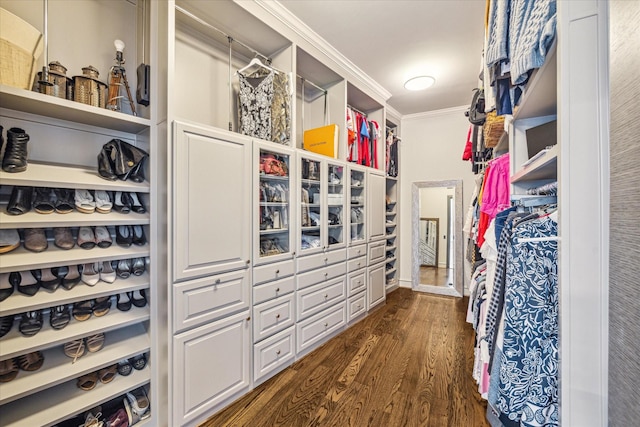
498, 32
532, 28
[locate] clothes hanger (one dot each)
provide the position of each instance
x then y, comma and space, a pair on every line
256, 61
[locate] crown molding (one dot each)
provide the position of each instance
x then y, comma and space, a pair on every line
282, 14
393, 112
436, 113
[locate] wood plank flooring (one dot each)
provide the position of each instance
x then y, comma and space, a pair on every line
408, 363
436, 276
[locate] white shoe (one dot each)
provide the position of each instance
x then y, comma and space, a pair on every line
107, 273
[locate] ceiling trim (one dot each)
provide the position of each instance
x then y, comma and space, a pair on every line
285, 16
435, 113
393, 112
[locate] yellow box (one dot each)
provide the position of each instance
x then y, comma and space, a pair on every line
322, 140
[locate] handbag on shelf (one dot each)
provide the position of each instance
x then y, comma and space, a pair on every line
121, 160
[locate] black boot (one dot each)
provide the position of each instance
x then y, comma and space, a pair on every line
15, 152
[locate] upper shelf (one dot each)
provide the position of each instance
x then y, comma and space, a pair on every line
539, 98
63, 109
544, 167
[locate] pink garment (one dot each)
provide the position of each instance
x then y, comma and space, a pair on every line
496, 197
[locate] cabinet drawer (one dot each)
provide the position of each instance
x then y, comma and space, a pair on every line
356, 306
277, 270
321, 274
273, 354
272, 316
357, 282
313, 262
275, 289
318, 297
357, 251
201, 300
355, 264
377, 252
313, 330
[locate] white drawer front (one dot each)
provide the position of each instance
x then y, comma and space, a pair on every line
356, 306
357, 251
272, 316
321, 274
377, 252
273, 354
201, 300
313, 262
312, 330
357, 282
318, 297
355, 264
275, 271
272, 290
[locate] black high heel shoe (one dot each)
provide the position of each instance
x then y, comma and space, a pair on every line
72, 276
124, 235
138, 237
49, 280
6, 286
15, 152
20, 200
27, 282
122, 202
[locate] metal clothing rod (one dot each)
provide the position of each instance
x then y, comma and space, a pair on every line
357, 111
536, 239
312, 84
206, 24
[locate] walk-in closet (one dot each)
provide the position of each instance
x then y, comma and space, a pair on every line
247, 212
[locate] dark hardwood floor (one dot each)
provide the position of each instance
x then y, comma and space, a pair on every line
436, 276
408, 363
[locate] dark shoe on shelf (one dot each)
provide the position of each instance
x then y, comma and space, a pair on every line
118, 418
82, 310
9, 240
72, 277
27, 282
60, 316
124, 235
124, 368
63, 238
136, 203
123, 301
139, 298
35, 239
6, 323
31, 361
44, 200
139, 239
123, 270
6, 286
20, 200
64, 200
8, 370
138, 267
138, 362
30, 323
101, 306
88, 382
122, 202
15, 152
106, 375
49, 280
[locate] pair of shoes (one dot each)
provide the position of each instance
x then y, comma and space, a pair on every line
128, 234
126, 202
27, 362
63, 238
26, 282
92, 273
76, 348
30, 323
6, 323
89, 381
83, 310
89, 237
9, 240
35, 239
15, 152
60, 316
20, 200
136, 404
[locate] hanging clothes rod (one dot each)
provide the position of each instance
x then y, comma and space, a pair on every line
356, 110
323, 90
231, 39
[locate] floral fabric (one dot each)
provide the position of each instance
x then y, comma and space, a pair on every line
256, 95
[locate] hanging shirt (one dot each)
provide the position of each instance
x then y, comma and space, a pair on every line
256, 96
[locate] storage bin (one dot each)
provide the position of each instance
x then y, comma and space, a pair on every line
20, 47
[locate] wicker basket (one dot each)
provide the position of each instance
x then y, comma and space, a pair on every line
493, 129
20, 47
88, 89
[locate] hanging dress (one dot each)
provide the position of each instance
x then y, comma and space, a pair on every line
256, 96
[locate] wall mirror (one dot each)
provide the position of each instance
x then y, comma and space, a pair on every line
437, 237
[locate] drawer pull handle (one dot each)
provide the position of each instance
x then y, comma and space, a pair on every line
217, 281
326, 296
248, 318
277, 289
358, 264
278, 316
248, 261
326, 324
326, 259
277, 271
326, 274
278, 352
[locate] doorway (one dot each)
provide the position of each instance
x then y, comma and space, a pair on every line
436, 231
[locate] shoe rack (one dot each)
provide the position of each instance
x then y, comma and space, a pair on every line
65, 139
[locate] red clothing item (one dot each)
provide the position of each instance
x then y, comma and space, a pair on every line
468, 148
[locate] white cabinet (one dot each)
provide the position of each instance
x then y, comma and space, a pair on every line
376, 186
376, 285
210, 366
211, 201
357, 205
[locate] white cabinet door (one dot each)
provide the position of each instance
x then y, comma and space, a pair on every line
376, 192
211, 195
210, 365
376, 285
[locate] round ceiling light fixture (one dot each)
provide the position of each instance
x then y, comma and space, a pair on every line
419, 83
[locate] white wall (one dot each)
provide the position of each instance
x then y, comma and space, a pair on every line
431, 150
433, 204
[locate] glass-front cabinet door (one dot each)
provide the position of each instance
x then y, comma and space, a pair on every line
312, 213
274, 199
335, 205
357, 205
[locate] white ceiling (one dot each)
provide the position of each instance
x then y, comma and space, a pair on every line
391, 40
